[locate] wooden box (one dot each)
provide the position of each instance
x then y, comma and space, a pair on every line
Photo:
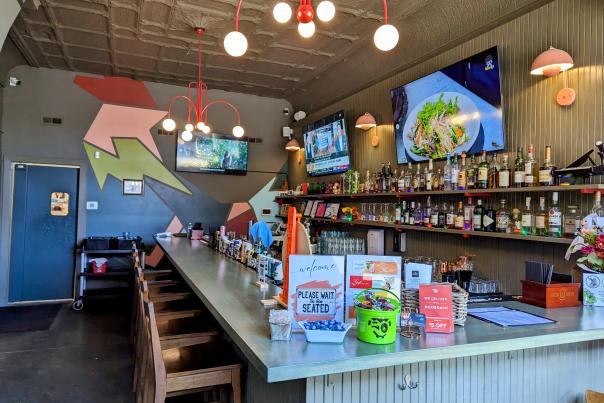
555, 295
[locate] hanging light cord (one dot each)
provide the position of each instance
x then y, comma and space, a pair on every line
385, 11
237, 15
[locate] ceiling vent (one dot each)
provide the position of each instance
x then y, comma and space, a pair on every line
52, 121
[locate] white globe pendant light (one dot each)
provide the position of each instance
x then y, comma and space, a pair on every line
169, 124
189, 127
238, 131
386, 37
306, 30
206, 129
282, 12
200, 126
326, 11
186, 135
235, 43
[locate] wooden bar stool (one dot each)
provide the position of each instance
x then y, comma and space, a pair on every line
170, 372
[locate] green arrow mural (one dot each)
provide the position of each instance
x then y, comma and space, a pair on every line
133, 161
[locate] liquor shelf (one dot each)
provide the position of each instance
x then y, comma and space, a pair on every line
463, 233
589, 188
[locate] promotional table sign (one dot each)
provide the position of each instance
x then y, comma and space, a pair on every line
436, 302
593, 289
316, 288
416, 274
366, 271
263, 266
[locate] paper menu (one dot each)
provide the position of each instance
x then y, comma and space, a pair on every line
416, 274
436, 302
366, 271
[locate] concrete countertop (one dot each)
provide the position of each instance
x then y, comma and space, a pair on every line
227, 288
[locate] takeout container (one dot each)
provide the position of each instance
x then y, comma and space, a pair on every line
280, 324
377, 327
325, 336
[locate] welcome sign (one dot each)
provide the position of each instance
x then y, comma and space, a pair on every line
316, 288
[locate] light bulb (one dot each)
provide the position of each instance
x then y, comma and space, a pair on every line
186, 135
200, 126
189, 127
235, 43
306, 30
386, 37
238, 131
326, 11
169, 124
206, 129
282, 12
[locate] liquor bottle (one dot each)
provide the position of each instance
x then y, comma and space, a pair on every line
450, 218
471, 173
381, 179
428, 173
418, 218
502, 218
531, 169
447, 173
401, 181
388, 180
541, 218
519, 168
546, 172
503, 176
407, 214
527, 218
394, 182
459, 216
493, 172
437, 180
516, 221
409, 178
427, 213
572, 221
597, 207
442, 216
462, 175
416, 179
483, 172
488, 219
468, 215
454, 173
434, 216
477, 216
556, 218
422, 179
398, 212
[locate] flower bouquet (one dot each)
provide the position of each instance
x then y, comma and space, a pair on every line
589, 243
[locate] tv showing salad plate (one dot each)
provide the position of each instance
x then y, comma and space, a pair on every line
455, 109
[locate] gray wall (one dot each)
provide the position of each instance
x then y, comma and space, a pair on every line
46, 92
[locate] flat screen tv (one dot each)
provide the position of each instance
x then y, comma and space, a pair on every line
453, 110
212, 153
326, 146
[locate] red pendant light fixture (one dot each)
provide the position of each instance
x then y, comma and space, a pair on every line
197, 109
235, 43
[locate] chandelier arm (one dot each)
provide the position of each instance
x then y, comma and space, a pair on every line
189, 103
227, 103
237, 15
385, 11
199, 87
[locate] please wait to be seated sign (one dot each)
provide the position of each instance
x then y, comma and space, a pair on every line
314, 301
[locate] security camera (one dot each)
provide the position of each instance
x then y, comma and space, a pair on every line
14, 81
286, 111
287, 132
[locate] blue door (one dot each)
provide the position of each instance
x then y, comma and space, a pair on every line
43, 232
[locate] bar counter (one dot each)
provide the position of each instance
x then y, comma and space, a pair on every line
227, 288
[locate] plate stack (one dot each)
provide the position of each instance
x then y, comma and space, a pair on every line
410, 299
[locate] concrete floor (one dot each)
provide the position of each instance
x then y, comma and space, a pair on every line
83, 357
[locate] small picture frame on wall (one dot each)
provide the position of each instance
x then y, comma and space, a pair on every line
308, 208
133, 187
315, 205
331, 210
320, 210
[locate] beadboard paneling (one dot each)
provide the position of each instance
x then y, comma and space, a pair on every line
531, 116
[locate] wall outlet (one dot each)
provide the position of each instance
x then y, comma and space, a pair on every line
92, 205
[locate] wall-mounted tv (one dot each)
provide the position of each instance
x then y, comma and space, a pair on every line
455, 109
212, 153
326, 146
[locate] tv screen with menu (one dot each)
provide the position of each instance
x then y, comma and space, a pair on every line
453, 110
326, 146
212, 153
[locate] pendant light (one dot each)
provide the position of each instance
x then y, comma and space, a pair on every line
326, 11
197, 110
386, 36
292, 145
235, 43
365, 122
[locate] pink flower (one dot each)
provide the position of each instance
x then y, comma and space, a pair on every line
586, 250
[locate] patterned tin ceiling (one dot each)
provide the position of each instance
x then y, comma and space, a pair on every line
154, 40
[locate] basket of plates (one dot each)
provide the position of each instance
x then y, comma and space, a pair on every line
410, 300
